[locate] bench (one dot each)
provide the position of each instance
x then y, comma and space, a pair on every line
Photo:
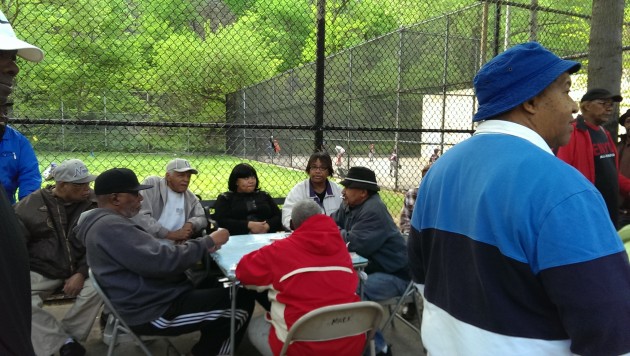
58, 297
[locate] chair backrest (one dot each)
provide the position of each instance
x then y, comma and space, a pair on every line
336, 322
102, 294
109, 304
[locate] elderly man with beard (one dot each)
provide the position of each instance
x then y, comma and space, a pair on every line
144, 278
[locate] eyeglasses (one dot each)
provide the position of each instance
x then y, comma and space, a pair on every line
321, 169
605, 103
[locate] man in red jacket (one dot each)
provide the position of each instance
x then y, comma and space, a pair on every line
309, 269
592, 151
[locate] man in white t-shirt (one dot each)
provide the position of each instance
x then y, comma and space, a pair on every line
169, 209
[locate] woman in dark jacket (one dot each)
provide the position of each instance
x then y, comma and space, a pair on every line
245, 208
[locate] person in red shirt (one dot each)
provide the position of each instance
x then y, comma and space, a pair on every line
592, 151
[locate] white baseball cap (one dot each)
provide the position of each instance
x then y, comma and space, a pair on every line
10, 42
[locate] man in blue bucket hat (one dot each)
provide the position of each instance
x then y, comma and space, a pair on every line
513, 248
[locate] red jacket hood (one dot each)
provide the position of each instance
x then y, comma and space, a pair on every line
320, 235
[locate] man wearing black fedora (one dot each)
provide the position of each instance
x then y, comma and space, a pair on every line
591, 149
369, 230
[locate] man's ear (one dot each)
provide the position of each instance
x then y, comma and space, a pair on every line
531, 105
113, 199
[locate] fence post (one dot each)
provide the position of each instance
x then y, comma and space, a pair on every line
319, 75
445, 77
397, 119
63, 131
533, 21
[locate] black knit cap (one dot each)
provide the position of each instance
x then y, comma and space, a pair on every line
118, 180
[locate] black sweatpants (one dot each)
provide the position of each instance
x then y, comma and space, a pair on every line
208, 311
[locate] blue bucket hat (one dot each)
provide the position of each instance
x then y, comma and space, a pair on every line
515, 76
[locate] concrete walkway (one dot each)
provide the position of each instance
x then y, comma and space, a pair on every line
404, 341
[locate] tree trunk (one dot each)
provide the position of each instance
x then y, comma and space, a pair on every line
604, 55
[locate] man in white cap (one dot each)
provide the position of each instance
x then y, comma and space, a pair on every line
15, 324
19, 169
57, 258
169, 209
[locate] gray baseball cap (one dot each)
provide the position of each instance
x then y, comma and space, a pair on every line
72, 171
180, 165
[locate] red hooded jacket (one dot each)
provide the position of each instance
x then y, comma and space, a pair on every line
307, 270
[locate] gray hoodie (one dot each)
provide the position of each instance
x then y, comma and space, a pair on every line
140, 274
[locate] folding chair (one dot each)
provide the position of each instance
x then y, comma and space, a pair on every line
336, 322
120, 328
395, 305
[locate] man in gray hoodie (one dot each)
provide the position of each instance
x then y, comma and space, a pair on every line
144, 278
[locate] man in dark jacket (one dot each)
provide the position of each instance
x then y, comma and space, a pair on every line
369, 230
145, 280
57, 258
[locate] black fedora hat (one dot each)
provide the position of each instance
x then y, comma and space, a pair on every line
360, 178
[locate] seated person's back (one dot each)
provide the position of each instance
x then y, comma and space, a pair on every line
309, 269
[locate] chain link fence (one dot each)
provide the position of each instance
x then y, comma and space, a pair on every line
134, 84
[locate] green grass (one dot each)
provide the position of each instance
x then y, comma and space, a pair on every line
213, 172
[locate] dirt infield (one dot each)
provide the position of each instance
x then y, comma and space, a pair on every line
407, 176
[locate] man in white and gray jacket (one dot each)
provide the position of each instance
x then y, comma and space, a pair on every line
169, 209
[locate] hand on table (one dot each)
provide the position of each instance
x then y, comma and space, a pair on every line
182, 234
219, 237
258, 227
